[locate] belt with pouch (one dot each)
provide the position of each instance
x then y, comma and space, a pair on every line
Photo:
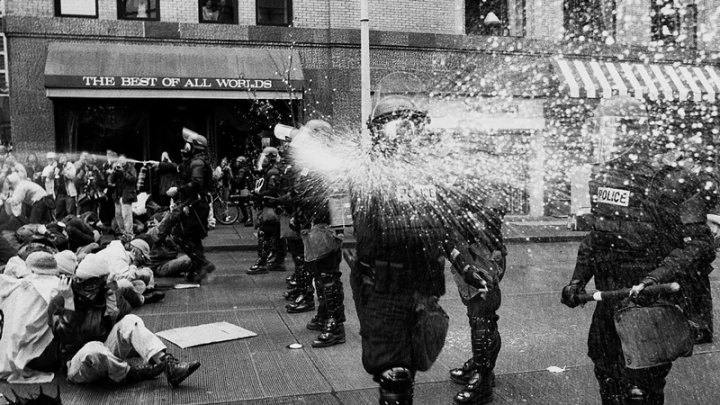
386, 277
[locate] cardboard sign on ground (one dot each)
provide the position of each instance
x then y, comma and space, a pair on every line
205, 334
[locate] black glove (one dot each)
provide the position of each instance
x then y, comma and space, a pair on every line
571, 293
477, 278
644, 299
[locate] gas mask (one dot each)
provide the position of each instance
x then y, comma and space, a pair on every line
186, 151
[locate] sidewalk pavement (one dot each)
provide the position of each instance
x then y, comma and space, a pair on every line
537, 332
238, 237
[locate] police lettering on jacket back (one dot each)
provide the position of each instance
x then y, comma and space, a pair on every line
625, 216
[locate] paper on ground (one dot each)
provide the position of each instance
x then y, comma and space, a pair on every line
184, 286
205, 334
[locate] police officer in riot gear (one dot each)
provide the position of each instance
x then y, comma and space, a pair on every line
399, 259
478, 258
311, 219
271, 255
649, 227
191, 212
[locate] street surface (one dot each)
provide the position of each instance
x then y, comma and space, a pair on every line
537, 332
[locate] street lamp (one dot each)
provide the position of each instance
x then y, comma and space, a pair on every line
492, 22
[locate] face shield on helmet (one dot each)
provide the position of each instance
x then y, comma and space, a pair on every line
186, 150
619, 129
400, 113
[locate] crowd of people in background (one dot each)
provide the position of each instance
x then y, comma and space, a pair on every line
91, 233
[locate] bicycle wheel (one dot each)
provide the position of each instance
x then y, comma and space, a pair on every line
226, 213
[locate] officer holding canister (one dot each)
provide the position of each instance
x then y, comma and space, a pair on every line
188, 220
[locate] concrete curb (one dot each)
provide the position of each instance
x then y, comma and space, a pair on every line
515, 240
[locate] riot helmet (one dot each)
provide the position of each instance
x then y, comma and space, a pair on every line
399, 114
619, 129
267, 158
194, 142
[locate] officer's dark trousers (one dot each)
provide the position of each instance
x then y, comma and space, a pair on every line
484, 335
189, 233
302, 275
614, 378
698, 302
386, 321
269, 243
326, 272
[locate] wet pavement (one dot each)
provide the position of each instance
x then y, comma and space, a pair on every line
537, 332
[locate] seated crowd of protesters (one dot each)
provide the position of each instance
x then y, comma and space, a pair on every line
76, 258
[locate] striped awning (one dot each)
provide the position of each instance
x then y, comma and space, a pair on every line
599, 79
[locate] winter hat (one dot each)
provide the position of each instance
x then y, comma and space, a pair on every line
92, 266
66, 262
42, 263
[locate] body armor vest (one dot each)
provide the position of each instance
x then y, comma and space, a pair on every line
400, 229
636, 212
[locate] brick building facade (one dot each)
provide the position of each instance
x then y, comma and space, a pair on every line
425, 36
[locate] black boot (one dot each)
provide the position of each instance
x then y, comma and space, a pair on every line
317, 323
260, 267
396, 387
291, 295
462, 375
485, 342
478, 390
153, 296
334, 331
305, 293
202, 273
276, 265
144, 372
177, 371
303, 303
333, 334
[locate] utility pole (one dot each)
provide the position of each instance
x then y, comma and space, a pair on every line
365, 102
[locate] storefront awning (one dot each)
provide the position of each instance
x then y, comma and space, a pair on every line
676, 82
155, 71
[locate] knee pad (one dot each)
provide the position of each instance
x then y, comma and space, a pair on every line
396, 379
640, 396
612, 391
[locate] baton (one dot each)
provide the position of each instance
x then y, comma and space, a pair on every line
615, 295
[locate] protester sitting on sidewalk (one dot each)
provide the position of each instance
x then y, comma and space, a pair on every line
165, 259
82, 320
125, 264
25, 288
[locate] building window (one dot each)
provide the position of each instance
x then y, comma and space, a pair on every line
495, 17
673, 23
274, 12
76, 8
218, 11
139, 9
590, 20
